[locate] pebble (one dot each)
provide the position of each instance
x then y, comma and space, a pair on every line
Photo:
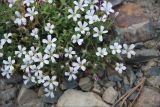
86, 84
110, 95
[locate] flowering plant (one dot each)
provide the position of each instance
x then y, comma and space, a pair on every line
51, 39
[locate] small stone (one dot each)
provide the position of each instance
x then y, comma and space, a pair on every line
86, 84
115, 78
110, 95
139, 74
8, 94
148, 65
97, 88
68, 84
40, 92
26, 95
109, 84
154, 81
131, 76
150, 97
75, 98
154, 71
132, 25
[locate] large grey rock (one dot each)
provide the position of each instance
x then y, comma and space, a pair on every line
75, 98
132, 24
33, 103
144, 55
8, 94
86, 84
110, 95
26, 95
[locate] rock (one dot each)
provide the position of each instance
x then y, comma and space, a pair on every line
2, 84
8, 94
68, 84
8, 105
151, 44
148, 65
26, 95
154, 81
75, 98
150, 97
115, 78
97, 88
132, 25
14, 80
116, 2
33, 103
154, 71
131, 76
110, 95
86, 84
144, 55
109, 84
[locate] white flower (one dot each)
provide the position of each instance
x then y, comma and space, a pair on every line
82, 27
9, 63
20, 20
36, 70
49, 28
35, 33
69, 52
11, 2
27, 61
28, 2
51, 82
21, 51
31, 13
6, 71
79, 64
6, 38
71, 74
50, 42
28, 78
92, 4
76, 39
51, 54
73, 14
49, 93
42, 59
116, 48
80, 5
101, 52
90, 15
120, 67
50, 1
103, 18
107, 7
129, 50
1, 54
41, 79
99, 33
